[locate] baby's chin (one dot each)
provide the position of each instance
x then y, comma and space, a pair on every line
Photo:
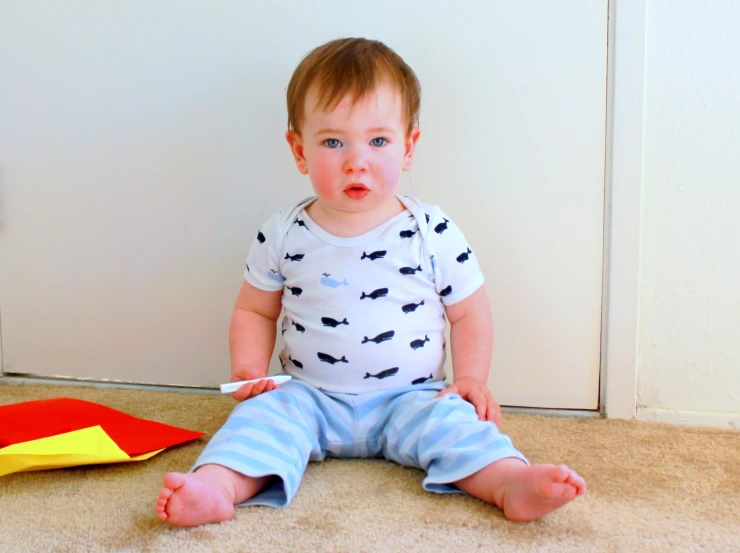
372, 206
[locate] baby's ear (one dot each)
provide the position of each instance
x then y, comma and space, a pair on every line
296, 148
408, 157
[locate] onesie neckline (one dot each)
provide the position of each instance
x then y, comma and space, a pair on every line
351, 241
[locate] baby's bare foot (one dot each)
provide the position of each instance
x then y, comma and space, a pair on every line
532, 492
192, 499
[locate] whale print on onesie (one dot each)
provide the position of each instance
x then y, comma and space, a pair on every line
463, 257
328, 321
332, 283
383, 337
274, 275
375, 294
296, 257
375, 255
422, 379
411, 307
416, 344
383, 374
326, 358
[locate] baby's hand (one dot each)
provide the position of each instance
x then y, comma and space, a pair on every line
252, 389
476, 392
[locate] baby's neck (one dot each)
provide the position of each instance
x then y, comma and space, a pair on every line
344, 224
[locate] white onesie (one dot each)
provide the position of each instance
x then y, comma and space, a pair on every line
364, 313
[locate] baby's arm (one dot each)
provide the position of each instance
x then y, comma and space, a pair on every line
252, 338
471, 337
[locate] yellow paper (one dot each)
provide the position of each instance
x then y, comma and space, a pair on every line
89, 446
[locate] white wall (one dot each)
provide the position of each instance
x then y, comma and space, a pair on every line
689, 356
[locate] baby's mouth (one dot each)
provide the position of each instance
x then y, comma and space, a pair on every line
356, 191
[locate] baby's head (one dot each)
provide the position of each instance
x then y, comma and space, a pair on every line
351, 67
353, 106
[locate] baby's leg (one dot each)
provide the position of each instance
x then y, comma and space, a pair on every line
459, 452
205, 496
524, 492
275, 433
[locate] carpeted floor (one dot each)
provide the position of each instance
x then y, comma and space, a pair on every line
651, 488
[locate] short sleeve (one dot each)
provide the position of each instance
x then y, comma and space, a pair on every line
263, 262
456, 270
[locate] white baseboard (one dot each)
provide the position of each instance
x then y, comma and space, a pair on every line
19, 380
726, 421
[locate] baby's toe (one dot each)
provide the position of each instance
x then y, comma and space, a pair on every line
558, 474
174, 480
160, 508
577, 481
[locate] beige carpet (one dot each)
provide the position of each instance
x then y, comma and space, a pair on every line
652, 488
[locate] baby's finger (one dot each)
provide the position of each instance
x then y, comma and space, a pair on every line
493, 411
490, 412
479, 402
259, 387
243, 393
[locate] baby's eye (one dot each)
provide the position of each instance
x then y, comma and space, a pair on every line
380, 141
332, 143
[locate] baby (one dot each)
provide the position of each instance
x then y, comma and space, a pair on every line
366, 280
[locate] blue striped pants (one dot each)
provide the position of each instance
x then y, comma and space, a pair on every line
279, 432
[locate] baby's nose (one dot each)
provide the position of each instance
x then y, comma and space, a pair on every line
356, 160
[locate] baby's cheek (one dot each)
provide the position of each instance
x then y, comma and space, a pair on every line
390, 172
322, 176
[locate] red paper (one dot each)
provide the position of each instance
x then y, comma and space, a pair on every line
31, 420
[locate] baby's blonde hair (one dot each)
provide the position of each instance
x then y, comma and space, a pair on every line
351, 66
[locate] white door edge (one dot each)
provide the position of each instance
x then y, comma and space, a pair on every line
623, 207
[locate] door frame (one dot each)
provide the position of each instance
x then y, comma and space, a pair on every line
620, 314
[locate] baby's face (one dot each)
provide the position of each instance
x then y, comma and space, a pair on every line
354, 154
